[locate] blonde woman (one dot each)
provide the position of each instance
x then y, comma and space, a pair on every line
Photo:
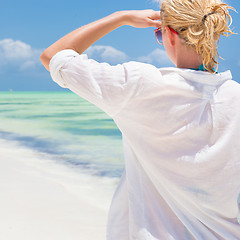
180, 125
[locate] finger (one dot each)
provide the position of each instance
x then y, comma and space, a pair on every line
156, 15
155, 23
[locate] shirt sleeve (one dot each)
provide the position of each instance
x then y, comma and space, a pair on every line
108, 87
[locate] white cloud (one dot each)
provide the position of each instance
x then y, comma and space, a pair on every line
106, 54
111, 55
157, 57
18, 54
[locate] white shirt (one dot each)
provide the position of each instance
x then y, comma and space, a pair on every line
180, 130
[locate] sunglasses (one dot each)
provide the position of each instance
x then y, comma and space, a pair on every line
158, 34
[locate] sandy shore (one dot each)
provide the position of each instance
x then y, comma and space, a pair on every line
43, 200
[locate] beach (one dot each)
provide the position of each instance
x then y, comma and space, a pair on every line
57, 180
45, 200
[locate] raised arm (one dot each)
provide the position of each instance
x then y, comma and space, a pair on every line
83, 37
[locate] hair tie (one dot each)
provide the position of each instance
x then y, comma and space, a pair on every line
205, 16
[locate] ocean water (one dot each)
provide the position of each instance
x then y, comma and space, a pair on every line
64, 126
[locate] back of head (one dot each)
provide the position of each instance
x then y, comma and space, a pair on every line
199, 23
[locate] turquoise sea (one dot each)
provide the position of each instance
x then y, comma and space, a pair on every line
66, 127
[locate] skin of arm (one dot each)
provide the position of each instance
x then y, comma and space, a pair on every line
82, 38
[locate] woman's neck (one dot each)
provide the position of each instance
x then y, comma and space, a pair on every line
187, 57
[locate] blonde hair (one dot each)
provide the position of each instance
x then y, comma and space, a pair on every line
199, 23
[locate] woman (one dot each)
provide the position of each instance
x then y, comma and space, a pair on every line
180, 126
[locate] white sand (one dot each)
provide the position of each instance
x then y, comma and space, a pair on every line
43, 200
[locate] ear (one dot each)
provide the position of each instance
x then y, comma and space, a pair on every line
171, 36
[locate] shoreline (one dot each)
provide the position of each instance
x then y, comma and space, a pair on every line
43, 199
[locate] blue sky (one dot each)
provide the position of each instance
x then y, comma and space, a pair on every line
28, 27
